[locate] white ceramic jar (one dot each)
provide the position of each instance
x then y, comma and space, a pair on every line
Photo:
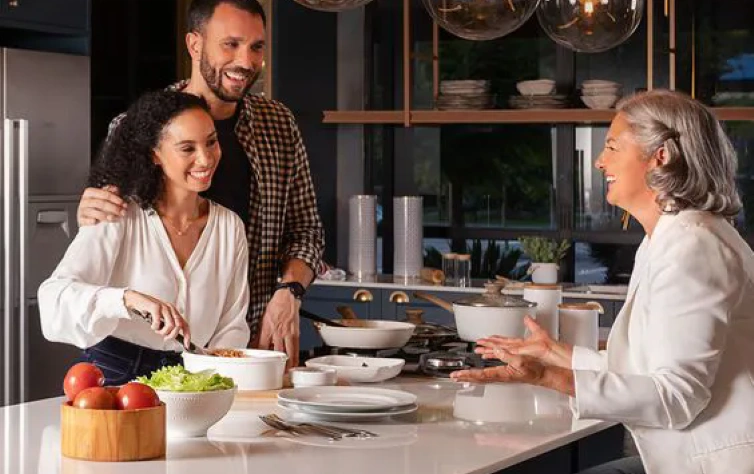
579, 324
547, 297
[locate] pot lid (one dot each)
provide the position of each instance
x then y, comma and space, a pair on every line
489, 300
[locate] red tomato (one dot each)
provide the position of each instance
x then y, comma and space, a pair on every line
80, 377
95, 398
113, 391
135, 395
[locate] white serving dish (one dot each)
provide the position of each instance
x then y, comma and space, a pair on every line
313, 376
599, 101
359, 369
191, 414
536, 87
260, 370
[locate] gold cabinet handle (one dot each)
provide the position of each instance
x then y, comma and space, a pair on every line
363, 296
399, 297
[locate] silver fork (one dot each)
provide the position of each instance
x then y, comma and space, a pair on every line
296, 430
337, 430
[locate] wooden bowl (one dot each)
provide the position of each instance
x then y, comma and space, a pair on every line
112, 435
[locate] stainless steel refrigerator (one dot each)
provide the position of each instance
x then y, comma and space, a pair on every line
45, 104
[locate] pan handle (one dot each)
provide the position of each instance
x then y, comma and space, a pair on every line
319, 319
434, 299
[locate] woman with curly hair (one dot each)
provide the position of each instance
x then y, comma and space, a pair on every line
177, 256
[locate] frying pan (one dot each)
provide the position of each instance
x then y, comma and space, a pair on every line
361, 333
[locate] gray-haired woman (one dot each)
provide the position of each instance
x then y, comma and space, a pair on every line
679, 366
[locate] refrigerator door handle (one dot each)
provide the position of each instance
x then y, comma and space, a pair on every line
23, 239
9, 250
57, 217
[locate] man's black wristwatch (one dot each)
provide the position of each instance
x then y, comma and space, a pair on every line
296, 288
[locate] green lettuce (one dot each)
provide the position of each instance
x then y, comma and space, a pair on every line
176, 378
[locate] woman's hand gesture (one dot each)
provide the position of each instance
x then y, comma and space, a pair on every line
539, 345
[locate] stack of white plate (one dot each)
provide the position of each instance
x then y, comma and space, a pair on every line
465, 94
600, 94
550, 101
346, 403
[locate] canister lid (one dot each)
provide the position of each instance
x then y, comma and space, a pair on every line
488, 300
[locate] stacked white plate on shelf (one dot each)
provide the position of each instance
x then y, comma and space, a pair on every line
354, 404
600, 94
465, 94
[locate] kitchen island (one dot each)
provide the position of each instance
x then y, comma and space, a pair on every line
459, 428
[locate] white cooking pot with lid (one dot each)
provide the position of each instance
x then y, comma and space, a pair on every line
486, 314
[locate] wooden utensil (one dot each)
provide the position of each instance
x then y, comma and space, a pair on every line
346, 312
112, 435
432, 275
434, 299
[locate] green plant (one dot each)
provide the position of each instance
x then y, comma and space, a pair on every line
432, 258
544, 250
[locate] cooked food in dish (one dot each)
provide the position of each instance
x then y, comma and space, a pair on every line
227, 352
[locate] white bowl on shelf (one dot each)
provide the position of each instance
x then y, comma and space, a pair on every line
599, 101
191, 414
536, 87
602, 90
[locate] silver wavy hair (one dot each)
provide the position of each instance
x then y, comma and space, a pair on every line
700, 167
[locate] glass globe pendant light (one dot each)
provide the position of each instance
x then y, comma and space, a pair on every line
481, 19
332, 5
590, 26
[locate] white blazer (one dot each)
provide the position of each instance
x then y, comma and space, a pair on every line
679, 365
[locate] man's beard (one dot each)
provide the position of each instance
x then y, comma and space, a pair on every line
214, 77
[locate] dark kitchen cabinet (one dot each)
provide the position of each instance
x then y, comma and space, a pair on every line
51, 16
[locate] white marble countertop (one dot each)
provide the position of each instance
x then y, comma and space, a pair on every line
458, 429
391, 282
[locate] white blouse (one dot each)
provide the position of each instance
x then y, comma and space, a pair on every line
82, 302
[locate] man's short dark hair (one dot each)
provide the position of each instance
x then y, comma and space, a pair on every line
200, 11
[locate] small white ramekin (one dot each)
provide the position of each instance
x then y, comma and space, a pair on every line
313, 376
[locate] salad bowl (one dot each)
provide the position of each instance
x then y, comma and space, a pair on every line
193, 401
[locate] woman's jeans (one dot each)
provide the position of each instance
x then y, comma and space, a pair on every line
630, 465
122, 361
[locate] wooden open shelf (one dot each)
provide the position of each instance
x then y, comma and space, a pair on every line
543, 116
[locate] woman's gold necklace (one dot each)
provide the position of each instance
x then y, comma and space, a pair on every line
180, 231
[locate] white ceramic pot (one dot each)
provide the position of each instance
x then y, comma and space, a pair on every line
259, 370
191, 414
485, 315
544, 273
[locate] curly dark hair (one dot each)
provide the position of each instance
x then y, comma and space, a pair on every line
126, 157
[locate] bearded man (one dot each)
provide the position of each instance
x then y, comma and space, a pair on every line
263, 175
